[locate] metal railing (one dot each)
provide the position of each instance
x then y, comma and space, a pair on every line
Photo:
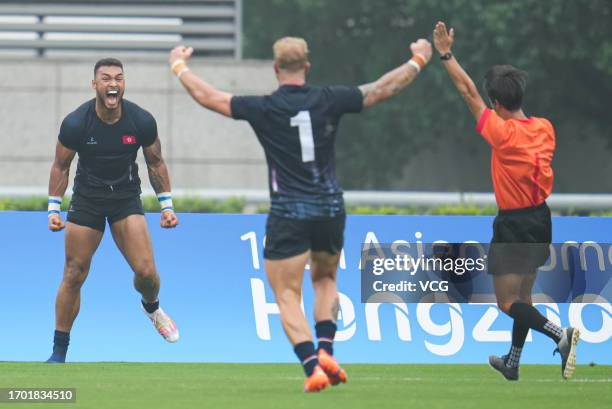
560, 202
212, 27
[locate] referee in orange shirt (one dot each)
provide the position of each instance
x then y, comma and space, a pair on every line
522, 151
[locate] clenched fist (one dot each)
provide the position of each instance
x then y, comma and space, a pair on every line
56, 223
168, 220
422, 47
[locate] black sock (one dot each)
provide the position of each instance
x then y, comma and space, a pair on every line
306, 354
326, 331
529, 316
150, 307
60, 343
514, 356
519, 333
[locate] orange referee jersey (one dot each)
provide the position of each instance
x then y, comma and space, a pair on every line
521, 159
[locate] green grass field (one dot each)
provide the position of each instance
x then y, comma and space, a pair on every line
225, 386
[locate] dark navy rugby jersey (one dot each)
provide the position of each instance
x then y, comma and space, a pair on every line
107, 153
296, 126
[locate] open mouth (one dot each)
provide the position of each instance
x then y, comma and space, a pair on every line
112, 96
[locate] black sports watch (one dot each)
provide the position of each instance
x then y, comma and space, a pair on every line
446, 56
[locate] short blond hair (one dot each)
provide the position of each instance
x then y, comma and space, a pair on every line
291, 53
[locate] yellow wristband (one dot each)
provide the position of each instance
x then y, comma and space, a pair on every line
179, 67
419, 60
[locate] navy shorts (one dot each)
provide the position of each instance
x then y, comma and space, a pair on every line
289, 237
93, 213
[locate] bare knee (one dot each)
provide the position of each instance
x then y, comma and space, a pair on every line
75, 273
287, 297
323, 267
507, 290
526, 298
505, 306
320, 275
146, 271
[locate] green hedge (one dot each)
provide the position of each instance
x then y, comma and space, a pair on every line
26, 203
150, 204
238, 205
197, 205
437, 210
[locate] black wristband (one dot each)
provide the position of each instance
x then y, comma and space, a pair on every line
446, 56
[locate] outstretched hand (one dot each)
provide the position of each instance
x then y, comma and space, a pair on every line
443, 40
180, 53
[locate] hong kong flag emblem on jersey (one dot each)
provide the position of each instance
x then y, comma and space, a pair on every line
129, 140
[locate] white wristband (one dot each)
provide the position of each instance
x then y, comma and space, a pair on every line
415, 65
54, 205
165, 201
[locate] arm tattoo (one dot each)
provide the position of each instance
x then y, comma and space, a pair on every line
404, 76
158, 173
156, 179
58, 178
388, 85
367, 89
152, 154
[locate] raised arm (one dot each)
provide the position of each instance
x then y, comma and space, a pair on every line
443, 41
58, 182
396, 80
160, 181
204, 93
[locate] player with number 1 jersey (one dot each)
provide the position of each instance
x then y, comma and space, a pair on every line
297, 126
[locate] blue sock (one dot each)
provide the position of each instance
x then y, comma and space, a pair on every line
305, 352
326, 331
60, 347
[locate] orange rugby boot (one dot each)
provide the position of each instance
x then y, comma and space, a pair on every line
331, 367
317, 381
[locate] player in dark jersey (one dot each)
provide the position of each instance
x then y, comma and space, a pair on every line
107, 133
296, 126
522, 151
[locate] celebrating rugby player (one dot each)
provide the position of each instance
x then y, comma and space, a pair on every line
107, 133
296, 126
522, 151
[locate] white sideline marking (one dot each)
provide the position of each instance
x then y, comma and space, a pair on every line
585, 380
484, 378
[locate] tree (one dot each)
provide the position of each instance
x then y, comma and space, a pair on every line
565, 45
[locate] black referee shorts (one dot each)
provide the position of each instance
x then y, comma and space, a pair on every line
94, 212
521, 240
289, 237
